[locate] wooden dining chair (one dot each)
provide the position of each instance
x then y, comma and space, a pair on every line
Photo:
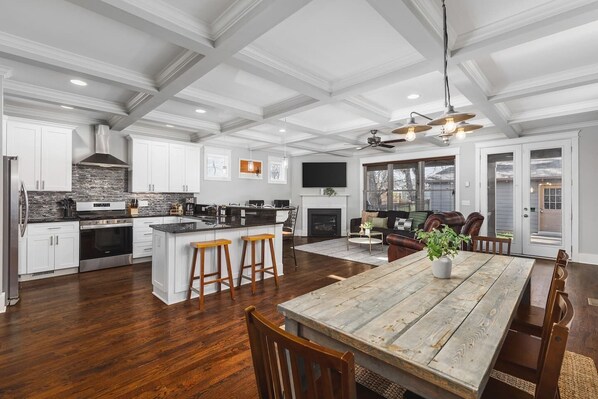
491, 245
550, 364
529, 319
287, 366
288, 230
522, 354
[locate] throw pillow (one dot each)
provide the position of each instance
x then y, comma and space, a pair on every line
418, 218
380, 222
367, 216
403, 224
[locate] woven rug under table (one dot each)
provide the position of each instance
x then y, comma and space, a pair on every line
579, 380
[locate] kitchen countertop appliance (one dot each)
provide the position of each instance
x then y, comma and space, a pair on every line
106, 235
14, 224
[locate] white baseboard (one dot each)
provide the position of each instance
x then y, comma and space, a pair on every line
53, 273
2, 302
591, 259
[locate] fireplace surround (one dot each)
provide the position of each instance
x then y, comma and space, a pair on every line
324, 222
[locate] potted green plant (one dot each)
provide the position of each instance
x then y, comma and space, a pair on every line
442, 245
367, 227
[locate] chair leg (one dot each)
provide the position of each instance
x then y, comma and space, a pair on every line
219, 260
240, 279
253, 267
263, 259
230, 273
294, 254
201, 277
274, 269
192, 273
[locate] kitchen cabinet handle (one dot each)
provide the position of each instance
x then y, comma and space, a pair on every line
149, 187
56, 240
147, 249
43, 184
51, 240
148, 234
37, 184
54, 228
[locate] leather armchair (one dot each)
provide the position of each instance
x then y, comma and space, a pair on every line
399, 246
472, 227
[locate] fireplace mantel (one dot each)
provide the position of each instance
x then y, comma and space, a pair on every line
317, 201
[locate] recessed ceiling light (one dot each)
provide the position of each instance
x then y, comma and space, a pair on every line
282, 130
200, 111
78, 82
169, 126
413, 96
66, 107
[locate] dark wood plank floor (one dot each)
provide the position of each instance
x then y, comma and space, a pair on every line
103, 334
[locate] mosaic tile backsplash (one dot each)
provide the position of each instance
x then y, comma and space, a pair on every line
92, 183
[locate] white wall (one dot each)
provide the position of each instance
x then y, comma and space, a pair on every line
352, 189
588, 195
2, 294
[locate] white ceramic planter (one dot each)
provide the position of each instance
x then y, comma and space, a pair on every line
367, 232
442, 267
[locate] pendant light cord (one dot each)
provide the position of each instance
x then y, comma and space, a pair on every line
447, 90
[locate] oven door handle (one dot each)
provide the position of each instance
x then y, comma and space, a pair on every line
105, 226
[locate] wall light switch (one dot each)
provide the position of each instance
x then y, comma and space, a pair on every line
465, 202
467, 183
143, 203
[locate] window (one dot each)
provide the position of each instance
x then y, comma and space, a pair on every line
415, 185
552, 198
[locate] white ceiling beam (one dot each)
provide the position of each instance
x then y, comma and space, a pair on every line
528, 32
177, 120
19, 48
17, 110
238, 108
252, 25
26, 90
546, 84
367, 109
555, 111
568, 127
157, 19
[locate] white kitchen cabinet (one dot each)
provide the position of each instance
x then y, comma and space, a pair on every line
44, 152
163, 166
142, 236
51, 246
184, 168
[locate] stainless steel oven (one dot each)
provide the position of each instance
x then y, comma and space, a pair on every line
106, 237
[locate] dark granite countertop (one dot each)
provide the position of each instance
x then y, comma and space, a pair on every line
212, 223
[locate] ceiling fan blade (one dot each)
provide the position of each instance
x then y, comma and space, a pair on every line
386, 145
394, 141
364, 147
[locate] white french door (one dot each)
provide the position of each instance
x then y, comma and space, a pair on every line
525, 194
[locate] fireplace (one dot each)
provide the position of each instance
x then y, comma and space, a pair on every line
322, 222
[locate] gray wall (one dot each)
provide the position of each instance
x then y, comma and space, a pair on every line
1, 196
588, 190
352, 189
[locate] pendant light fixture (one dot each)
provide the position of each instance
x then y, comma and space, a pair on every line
452, 121
250, 165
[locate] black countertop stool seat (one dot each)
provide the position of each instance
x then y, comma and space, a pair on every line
270, 270
201, 247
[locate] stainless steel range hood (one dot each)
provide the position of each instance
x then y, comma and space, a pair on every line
102, 155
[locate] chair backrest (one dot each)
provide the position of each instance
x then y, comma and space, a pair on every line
562, 259
454, 219
289, 224
473, 224
550, 317
552, 361
256, 202
491, 245
287, 366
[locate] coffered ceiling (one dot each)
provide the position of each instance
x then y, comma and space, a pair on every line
297, 75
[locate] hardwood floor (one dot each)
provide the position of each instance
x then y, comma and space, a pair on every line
103, 334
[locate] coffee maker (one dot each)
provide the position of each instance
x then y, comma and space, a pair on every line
189, 207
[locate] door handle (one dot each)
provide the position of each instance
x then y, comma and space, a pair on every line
56, 240
51, 240
37, 184
525, 215
43, 184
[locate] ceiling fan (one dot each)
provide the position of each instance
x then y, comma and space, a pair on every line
376, 141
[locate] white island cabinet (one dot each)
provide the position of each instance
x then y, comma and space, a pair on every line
172, 257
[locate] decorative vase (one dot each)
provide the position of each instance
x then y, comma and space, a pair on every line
367, 232
441, 267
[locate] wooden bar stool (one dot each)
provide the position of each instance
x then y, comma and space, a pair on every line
228, 281
270, 270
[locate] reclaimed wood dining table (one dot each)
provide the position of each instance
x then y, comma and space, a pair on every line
436, 337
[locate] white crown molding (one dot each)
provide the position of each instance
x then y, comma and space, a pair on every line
262, 56
475, 72
137, 99
185, 60
26, 90
561, 128
555, 111
259, 136
503, 110
148, 131
231, 16
159, 116
369, 105
513, 22
67, 60
547, 83
5, 72
397, 64
432, 13
431, 109
60, 118
289, 106
237, 107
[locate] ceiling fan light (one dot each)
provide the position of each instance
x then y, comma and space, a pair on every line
411, 126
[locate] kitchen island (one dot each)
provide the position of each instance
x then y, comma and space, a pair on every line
172, 255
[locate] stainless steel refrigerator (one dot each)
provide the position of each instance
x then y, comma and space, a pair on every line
15, 216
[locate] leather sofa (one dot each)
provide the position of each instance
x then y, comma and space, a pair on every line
400, 246
389, 229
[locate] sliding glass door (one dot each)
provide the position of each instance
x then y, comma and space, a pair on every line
526, 195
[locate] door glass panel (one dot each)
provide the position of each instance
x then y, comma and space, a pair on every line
500, 195
439, 188
405, 185
545, 196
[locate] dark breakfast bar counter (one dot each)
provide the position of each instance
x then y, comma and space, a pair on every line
172, 253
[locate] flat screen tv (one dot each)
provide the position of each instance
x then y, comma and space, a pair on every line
324, 174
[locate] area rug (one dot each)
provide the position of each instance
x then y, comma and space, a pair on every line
337, 248
579, 380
